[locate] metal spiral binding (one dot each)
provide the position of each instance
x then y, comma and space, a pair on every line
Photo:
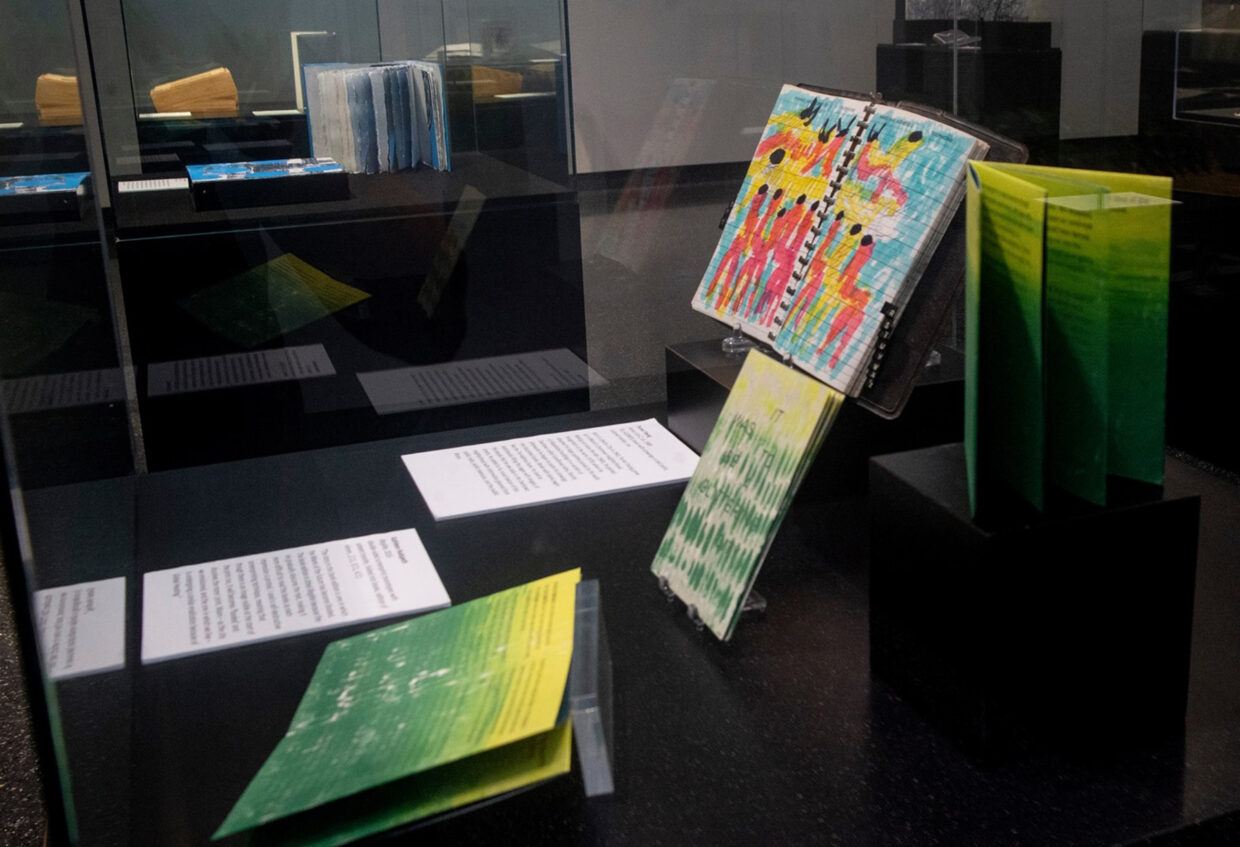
885, 330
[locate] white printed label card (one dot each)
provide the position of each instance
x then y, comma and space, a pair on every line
228, 602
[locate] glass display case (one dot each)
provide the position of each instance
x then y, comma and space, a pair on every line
40, 111
418, 267
961, 57
60, 367
224, 82
196, 375
1206, 86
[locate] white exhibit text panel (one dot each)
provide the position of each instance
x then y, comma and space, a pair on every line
462, 481
213, 605
82, 627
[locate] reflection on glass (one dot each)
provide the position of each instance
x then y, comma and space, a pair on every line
225, 81
62, 403
978, 10
962, 56
222, 81
59, 371
203, 57
40, 111
1207, 74
506, 81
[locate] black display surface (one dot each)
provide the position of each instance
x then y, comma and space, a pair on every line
781, 736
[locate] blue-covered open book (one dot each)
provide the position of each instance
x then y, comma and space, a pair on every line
378, 118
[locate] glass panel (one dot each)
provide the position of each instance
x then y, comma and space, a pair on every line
464, 256
222, 82
506, 78
977, 10
59, 355
40, 110
960, 56
1207, 83
229, 370
216, 82
65, 407
254, 42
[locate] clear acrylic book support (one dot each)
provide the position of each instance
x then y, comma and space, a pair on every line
754, 604
737, 342
589, 692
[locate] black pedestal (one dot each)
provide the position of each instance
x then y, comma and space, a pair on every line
700, 375
1068, 633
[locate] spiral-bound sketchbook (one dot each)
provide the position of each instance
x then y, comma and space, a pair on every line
839, 213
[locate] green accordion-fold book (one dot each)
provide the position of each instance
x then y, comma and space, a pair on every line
1066, 286
419, 718
765, 439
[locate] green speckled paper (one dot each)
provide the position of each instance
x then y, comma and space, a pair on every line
418, 695
765, 439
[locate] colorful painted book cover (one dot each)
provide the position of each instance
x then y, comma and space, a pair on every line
1067, 284
42, 183
843, 205
266, 169
421, 717
766, 437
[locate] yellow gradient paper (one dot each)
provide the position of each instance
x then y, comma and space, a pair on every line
539, 647
1003, 315
1102, 241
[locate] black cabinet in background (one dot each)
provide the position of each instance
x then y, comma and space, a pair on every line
1009, 82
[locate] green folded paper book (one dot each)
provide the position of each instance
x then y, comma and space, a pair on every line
421, 717
1066, 329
